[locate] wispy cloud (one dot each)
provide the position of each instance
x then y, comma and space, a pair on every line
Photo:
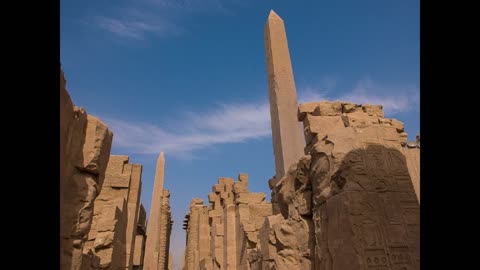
229, 123
193, 5
162, 18
236, 123
137, 24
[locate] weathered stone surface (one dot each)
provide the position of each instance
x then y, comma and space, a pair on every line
140, 236
138, 252
286, 131
229, 227
373, 110
328, 108
152, 245
96, 149
250, 197
363, 199
198, 234
318, 125
85, 144
239, 187
412, 157
306, 108
165, 231
115, 224
348, 107
159, 224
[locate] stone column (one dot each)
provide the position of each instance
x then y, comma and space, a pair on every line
191, 225
165, 230
139, 249
215, 219
204, 238
132, 208
230, 238
152, 245
287, 135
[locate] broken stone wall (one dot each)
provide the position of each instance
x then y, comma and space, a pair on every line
287, 238
350, 202
251, 209
196, 249
85, 144
229, 227
114, 228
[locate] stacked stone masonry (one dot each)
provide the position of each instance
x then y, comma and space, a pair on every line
114, 226
224, 234
85, 144
103, 224
350, 202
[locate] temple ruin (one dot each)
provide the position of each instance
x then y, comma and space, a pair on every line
345, 193
103, 224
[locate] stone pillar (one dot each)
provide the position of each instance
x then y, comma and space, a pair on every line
204, 239
165, 231
113, 230
230, 238
133, 208
215, 214
288, 142
192, 226
152, 246
139, 249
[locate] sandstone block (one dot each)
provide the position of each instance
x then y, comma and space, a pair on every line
373, 110
320, 126
348, 107
225, 181
306, 108
398, 125
96, 149
240, 187
105, 225
243, 177
250, 198
327, 108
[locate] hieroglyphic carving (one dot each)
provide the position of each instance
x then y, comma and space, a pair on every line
365, 211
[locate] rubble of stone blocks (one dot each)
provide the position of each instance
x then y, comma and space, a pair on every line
224, 234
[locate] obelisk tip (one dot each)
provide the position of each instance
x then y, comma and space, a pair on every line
274, 16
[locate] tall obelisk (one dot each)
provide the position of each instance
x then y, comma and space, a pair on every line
152, 245
287, 134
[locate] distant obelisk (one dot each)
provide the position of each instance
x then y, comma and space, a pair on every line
152, 245
287, 134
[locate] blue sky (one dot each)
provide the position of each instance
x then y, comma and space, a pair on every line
188, 77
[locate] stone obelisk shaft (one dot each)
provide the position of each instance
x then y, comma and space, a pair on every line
152, 245
287, 135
